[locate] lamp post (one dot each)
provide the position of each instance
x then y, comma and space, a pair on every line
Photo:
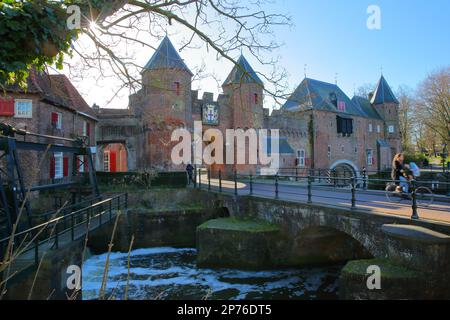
444, 156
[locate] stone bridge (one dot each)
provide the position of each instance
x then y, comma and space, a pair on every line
343, 234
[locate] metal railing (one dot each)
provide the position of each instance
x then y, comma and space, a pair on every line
306, 185
61, 225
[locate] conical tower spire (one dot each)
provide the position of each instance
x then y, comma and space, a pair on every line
383, 93
242, 73
166, 57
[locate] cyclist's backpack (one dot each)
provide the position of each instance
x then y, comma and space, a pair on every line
415, 169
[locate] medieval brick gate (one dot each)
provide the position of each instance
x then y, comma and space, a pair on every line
119, 127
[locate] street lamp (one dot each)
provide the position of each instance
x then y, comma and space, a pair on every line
444, 155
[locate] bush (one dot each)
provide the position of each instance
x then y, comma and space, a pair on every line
418, 158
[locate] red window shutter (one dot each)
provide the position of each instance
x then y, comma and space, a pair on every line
255, 98
88, 129
113, 161
52, 167
7, 107
86, 165
54, 118
66, 166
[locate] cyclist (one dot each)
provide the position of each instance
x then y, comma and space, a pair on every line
400, 173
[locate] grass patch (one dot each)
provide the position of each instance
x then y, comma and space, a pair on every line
176, 207
236, 224
388, 269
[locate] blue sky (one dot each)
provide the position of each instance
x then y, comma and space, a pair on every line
330, 36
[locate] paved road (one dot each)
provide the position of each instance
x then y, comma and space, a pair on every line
367, 200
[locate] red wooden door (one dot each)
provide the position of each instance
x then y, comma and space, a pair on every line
113, 161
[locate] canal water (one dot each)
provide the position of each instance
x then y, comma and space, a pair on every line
172, 274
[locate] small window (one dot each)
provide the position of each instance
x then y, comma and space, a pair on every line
329, 152
23, 108
378, 128
341, 106
301, 154
59, 165
369, 157
391, 129
256, 98
177, 88
370, 127
86, 129
57, 120
342, 148
106, 161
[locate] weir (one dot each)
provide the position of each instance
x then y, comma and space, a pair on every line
255, 233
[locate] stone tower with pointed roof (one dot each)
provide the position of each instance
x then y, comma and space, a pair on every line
245, 91
386, 104
165, 102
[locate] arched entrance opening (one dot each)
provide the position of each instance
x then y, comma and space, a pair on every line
342, 172
114, 158
326, 245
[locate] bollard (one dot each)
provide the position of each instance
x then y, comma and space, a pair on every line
309, 189
209, 179
364, 179
220, 181
235, 183
195, 177
276, 187
200, 178
251, 184
333, 173
353, 193
296, 174
415, 215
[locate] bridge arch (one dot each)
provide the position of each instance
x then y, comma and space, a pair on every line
327, 244
346, 164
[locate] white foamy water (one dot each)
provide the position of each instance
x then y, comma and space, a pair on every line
168, 273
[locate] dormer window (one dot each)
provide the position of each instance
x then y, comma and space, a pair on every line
333, 98
341, 106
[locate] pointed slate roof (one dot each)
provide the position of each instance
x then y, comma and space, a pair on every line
166, 57
383, 93
315, 94
243, 73
283, 145
366, 107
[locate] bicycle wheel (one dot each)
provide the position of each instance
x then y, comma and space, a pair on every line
393, 196
424, 196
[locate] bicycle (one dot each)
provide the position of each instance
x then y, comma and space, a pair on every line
424, 195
